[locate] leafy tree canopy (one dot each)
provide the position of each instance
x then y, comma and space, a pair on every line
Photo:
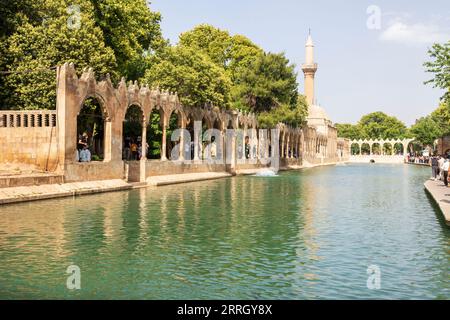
376, 125
35, 47
426, 130
197, 80
440, 67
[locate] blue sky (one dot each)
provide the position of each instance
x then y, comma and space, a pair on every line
361, 69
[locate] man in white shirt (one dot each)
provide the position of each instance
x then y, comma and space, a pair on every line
445, 168
441, 162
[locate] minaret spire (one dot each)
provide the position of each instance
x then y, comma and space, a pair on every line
309, 68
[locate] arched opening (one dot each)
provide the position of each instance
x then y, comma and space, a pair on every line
173, 124
376, 149
189, 149
132, 134
387, 149
365, 149
355, 149
154, 134
217, 140
91, 132
398, 149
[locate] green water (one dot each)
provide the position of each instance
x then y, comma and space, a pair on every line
309, 234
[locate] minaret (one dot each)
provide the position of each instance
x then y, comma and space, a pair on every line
309, 69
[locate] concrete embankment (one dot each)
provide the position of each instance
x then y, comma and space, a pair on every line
440, 194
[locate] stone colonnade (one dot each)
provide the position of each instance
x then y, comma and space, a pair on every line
73, 90
381, 143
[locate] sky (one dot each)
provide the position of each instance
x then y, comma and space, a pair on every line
370, 53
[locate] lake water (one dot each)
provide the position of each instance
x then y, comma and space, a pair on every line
308, 234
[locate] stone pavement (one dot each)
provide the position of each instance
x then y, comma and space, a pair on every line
441, 195
49, 191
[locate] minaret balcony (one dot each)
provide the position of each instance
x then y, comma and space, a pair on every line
309, 67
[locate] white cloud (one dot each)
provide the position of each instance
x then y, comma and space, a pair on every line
412, 34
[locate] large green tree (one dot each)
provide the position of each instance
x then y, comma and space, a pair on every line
426, 130
380, 125
192, 74
440, 67
268, 83
349, 131
131, 30
64, 34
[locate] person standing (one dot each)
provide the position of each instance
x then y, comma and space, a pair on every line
441, 163
445, 168
434, 167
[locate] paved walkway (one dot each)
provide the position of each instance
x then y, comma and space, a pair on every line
186, 177
49, 191
441, 195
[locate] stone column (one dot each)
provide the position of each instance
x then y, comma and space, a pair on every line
197, 132
183, 127
164, 139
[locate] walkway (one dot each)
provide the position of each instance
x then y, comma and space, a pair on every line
441, 195
49, 191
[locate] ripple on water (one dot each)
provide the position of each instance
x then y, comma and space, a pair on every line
302, 235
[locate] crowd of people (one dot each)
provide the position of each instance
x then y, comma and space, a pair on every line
419, 159
439, 168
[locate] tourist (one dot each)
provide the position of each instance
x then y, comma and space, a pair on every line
85, 155
83, 140
445, 168
441, 163
134, 150
247, 147
139, 151
434, 167
213, 148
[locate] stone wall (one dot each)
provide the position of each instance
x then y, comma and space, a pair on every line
29, 138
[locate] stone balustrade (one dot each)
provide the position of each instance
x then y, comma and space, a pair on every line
27, 119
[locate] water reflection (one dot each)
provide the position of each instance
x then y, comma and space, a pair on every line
308, 234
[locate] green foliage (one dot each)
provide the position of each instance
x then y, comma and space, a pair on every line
376, 125
379, 125
294, 116
349, 131
264, 83
268, 83
154, 136
197, 80
131, 30
35, 47
440, 66
232, 53
110, 36
426, 130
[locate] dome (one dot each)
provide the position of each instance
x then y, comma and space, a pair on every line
317, 112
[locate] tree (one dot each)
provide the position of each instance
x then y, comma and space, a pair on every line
442, 117
440, 66
294, 116
131, 30
268, 83
37, 46
197, 80
349, 131
229, 52
379, 125
426, 130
